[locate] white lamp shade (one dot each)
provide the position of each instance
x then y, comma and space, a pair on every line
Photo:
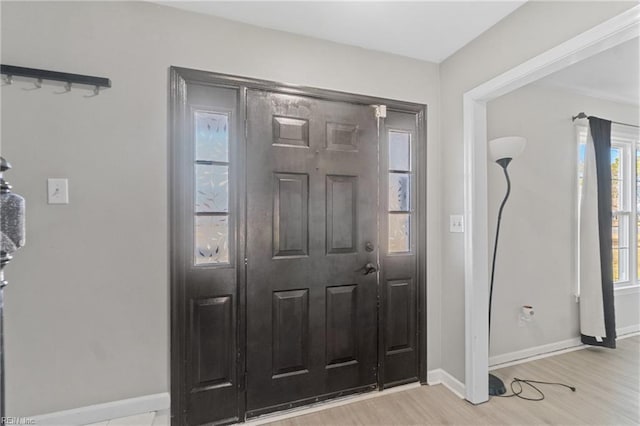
507, 147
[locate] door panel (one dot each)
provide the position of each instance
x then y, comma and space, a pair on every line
311, 208
399, 301
290, 332
342, 325
212, 324
205, 212
399, 321
290, 214
342, 196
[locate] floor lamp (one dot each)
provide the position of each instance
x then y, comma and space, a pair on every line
502, 151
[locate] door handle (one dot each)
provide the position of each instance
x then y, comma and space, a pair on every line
369, 268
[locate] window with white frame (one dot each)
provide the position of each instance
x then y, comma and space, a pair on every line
625, 200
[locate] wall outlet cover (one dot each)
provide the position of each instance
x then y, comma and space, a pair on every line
58, 191
456, 223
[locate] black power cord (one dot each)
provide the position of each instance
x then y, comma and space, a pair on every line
518, 392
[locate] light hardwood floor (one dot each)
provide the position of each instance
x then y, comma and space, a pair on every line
607, 393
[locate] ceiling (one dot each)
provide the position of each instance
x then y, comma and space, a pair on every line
612, 75
427, 30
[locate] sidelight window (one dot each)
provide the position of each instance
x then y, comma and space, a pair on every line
399, 203
211, 188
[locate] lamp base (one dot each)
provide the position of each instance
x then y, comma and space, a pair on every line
496, 386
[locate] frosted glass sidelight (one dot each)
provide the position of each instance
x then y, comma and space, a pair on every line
211, 240
212, 188
399, 233
399, 151
212, 136
399, 192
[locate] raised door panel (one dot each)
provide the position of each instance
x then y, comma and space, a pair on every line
291, 132
400, 316
400, 333
341, 341
212, 342
290, 215
290, 332
341, 214
342, 137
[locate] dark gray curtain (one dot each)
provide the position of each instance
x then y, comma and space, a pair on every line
601, 134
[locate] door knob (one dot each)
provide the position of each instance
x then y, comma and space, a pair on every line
369, 268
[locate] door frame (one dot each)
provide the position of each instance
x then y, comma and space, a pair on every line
604, 36
178, 79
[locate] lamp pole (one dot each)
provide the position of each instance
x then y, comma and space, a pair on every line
496, 386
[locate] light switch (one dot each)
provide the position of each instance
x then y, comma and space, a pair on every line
57, 191
456, 223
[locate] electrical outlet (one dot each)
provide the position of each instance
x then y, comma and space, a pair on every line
57, 191
526, 315
456, 223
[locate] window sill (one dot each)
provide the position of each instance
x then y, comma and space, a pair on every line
624, 289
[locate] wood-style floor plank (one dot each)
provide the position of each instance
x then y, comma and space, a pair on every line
607, 393
162, 418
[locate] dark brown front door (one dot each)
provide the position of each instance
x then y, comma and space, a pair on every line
312, 249
296, 239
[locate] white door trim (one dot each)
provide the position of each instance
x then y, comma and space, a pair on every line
476, 241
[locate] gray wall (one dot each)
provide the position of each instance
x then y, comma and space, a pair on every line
87, 306
530, 30
87, 314
536, 261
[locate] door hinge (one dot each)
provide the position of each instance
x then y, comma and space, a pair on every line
381, 111
242, 384
246, 261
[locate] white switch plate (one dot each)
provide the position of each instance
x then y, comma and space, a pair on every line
456, 223
57, 191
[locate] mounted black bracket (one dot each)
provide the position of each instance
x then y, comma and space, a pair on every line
11, 71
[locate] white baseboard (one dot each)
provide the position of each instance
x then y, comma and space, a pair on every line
535, 352
551, 349
440, 376
107, 411
622, 331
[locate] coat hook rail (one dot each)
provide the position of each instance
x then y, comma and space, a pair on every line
14, 71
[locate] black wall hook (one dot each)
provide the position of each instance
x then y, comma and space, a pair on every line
68, 78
